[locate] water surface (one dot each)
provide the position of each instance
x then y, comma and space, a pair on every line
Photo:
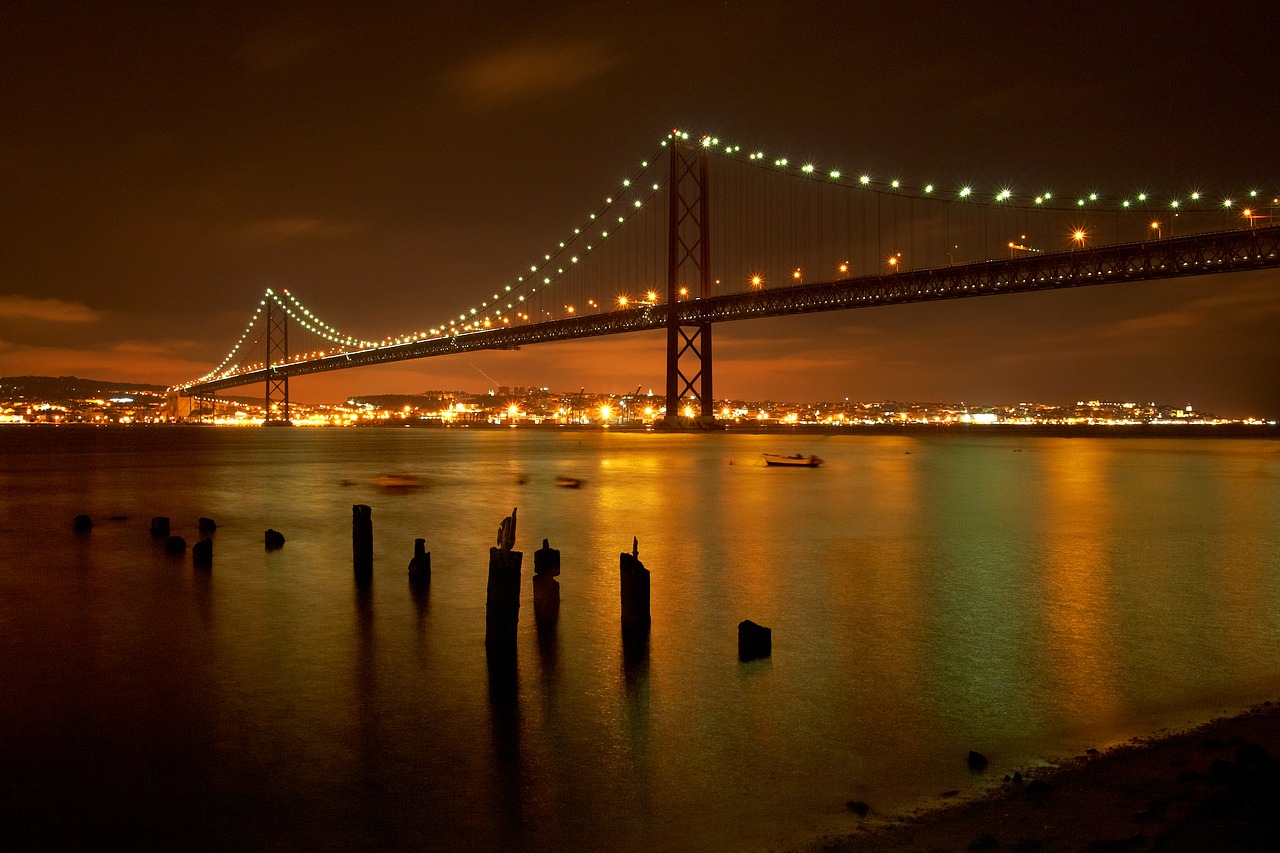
1026, 597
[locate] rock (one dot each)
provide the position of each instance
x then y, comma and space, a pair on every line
1017, 777
274, 539
175, 545
206, 526
202, 554
946, 795
420, 565
160, 526
754, 641
82, 524
858, 807
1037, 787
977, 761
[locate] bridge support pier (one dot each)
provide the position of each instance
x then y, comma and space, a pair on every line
689, 375
277, 403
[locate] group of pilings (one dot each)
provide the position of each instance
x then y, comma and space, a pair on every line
502, 591
502, 605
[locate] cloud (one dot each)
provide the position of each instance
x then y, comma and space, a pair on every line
534, 69
46, 310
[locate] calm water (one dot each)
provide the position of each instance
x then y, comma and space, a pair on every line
1026, 597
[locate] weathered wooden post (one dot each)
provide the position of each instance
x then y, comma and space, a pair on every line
160, 527
362, 539
202, 554
206, 526
420, 565
502, 608
274, 539
546, 589
82, 524
754, 641
635, 591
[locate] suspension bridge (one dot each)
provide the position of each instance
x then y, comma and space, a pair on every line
706, 232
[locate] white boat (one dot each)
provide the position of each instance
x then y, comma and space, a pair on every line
796, 461
568, 482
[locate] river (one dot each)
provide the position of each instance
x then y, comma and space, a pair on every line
1026, 597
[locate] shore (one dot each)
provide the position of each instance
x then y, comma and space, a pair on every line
1213, 787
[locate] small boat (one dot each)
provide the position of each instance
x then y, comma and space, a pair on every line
795, 461
568, 482
397, 481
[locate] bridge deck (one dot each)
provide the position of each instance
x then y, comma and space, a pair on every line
1173, 257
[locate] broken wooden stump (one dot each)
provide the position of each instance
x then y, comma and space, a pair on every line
502, 606
546, 589
635, 590
202, 554
420, 565
274, 539
362, 539
175, 545
754, 641
206, 526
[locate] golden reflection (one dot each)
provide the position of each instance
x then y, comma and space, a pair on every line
1077, 575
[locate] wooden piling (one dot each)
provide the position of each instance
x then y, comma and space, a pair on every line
362, 539
635, 590
546, 589
420, 565
502, 606
202, 554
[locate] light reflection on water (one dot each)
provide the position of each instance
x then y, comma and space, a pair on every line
1024, 597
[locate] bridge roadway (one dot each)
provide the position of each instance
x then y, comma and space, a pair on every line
1171, 257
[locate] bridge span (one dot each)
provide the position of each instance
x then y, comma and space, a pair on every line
1171, 257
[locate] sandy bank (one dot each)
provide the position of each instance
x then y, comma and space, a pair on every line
1214, 787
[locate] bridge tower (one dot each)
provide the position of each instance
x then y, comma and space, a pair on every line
688, 267
277, 411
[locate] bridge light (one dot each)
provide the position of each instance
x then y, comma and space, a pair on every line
638, 203
684, 291
651, 296
807, 168
1079, 236
757, 282
622, 301
1226, 202
569, 309
964, 191
796, 274
928, 188
864, 180
1142, 196
834, 174
1195, 196
844, 267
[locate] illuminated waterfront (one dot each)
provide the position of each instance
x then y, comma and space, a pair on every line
1024, 597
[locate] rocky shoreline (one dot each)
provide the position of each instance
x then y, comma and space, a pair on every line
1213, 787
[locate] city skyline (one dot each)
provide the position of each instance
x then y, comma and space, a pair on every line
164, 168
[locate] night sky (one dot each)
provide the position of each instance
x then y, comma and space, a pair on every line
162, 163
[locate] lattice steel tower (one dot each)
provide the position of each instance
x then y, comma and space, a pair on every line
688, 267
